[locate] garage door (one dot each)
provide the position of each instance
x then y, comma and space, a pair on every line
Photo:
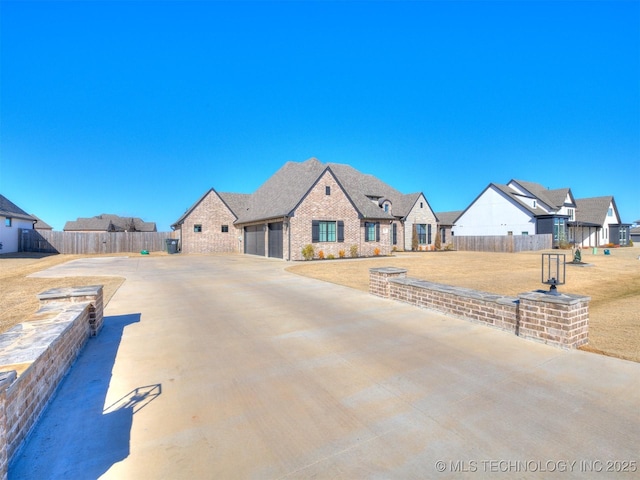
275, 239
254, 240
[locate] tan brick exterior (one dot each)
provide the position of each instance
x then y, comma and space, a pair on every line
420, 214
212, 213
317, 205
561, 321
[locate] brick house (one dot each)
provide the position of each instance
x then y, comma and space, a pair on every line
331, 206
446, 221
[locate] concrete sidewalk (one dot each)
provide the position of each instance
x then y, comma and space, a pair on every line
230, 367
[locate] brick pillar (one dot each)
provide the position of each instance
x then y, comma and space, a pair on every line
379, 279
6, 379
561, 320
92, 294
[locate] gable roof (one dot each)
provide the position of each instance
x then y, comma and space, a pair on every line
280, 195
109, 223
235, 202
514, 197
553, 198
10, 209
593, 211
362, 188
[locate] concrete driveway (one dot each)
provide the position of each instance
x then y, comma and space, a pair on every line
229, 367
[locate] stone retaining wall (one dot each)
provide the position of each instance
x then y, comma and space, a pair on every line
36, 355
561, 320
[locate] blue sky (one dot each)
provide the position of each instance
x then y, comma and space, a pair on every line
138, 108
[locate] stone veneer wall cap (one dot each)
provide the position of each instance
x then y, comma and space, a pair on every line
388, 270
458, 291
564, 298
7, 378
69, 292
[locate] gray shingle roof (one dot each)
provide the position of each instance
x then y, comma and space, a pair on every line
553, 198
282, 192
10, 209
109, 223
593, 211
285, 189
448, 218
41, 224
237, 202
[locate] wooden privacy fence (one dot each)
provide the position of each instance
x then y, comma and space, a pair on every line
503, 243
46, 241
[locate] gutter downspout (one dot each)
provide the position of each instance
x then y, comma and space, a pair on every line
288, 224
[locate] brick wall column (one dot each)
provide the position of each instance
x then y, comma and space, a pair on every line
6, 379
561, 320
379, 279
92, 294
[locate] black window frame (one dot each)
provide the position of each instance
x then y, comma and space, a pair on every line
368, 237
224, 228
316, 232
197, 228
422, 236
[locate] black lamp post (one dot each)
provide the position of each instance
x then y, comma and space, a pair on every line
553, 271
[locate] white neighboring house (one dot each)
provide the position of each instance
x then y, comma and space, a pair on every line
12, 219
598, 223
518, 208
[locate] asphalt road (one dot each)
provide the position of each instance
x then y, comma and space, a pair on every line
229, 367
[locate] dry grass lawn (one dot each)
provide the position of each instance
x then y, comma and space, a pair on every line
612, 282
18, 292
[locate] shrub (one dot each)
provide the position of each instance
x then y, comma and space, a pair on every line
331, 256
376, 251
307, 252
438, 242
341, 254
354, 251
321, 255
415, 246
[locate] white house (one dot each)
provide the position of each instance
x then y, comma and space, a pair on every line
518, 208
598, 223
12, 219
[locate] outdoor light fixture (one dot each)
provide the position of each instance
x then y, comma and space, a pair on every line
553, 271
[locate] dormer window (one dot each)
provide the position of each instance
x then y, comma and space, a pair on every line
327, 190
386, 207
